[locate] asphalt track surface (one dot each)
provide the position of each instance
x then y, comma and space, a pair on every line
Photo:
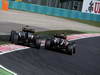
6, 27
44, 21
86, 61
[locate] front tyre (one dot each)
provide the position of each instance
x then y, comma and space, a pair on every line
38, 43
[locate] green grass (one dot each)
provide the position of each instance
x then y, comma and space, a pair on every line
47, 34
4, 72
4, 42
3, 39
66, 32
89, 22
93, 23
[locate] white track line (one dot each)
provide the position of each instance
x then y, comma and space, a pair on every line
12, 50
85, 37
8, 70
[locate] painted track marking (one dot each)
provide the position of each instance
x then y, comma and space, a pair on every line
13, 73
82, 36
11, 47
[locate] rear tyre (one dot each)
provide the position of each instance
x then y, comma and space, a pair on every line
48, 44
74, 50
38, 43
12, 36
16, 37
71, 49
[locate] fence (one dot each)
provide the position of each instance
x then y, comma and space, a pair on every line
66, 4
53, 11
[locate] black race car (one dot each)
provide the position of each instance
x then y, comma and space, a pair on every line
60, 42
25, 37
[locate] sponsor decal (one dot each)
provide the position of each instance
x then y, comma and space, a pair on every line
97, 7
91, 6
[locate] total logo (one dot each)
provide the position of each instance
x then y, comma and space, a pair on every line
97, 7
94, 7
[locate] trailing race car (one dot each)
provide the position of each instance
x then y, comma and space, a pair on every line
25, 37
60, 42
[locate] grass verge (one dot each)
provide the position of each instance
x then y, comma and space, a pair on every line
4, 72
66, 32
4, 42
44, 34
48, 34
93, 23
4, 38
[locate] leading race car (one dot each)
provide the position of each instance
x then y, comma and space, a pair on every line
60, 42
25, 37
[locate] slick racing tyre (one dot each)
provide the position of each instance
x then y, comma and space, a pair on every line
71, 49
16, 37
12, 36
48, 44
37, 43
